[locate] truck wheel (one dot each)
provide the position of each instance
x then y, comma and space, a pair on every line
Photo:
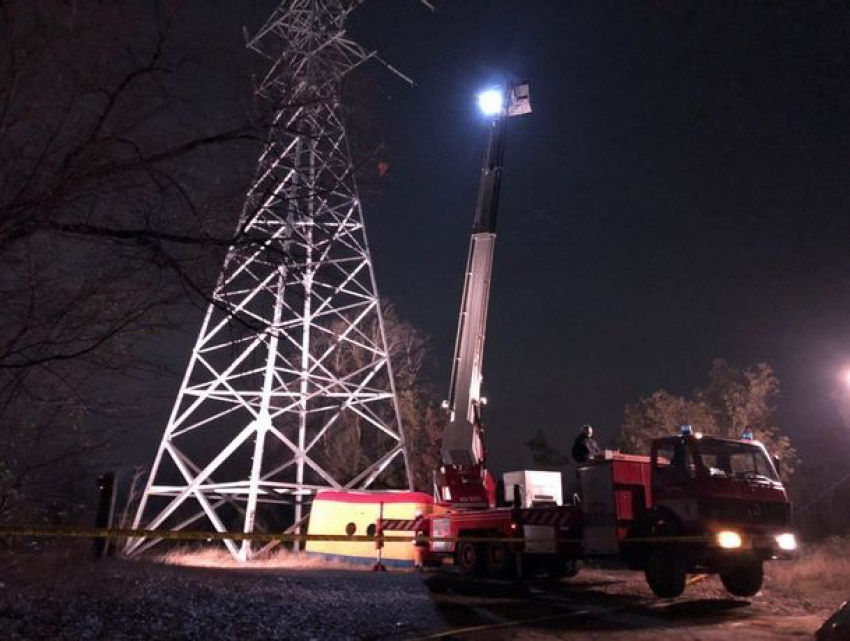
560, 568
568, 569
666, 572
500, 561
743, 579
468, 558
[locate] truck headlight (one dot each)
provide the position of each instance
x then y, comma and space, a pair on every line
786, 541
728, 539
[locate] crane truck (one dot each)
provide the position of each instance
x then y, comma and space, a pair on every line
694, 503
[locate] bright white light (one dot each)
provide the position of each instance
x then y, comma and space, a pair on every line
847, 378
491, 102
728, 539
786, 541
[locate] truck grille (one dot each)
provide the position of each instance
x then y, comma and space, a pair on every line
747, 512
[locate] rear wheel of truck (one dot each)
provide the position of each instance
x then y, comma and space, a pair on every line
561, 568
500, 561
468, 558
743, 579
666, 572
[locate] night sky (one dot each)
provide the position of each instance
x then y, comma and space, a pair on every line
679, 194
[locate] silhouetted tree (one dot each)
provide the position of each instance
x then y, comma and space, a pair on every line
348, 449
821, 487
117, 202
543, 455
123, 178
733, 400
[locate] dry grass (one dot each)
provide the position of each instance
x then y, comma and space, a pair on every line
219, 557
822, 567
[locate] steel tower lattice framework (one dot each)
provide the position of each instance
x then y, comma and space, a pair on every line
291, 361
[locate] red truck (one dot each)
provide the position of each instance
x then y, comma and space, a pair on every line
697, 504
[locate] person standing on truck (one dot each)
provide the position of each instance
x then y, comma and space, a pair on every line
585, 447
681, 464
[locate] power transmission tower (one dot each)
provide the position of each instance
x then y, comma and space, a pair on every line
291, 360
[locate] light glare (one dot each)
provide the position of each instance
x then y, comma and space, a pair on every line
490, 102
786, 541
728, 539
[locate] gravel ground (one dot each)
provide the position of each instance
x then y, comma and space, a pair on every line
61, 595
44, 599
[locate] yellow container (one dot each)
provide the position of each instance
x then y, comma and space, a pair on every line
356, 512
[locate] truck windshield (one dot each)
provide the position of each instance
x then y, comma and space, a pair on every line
724, 458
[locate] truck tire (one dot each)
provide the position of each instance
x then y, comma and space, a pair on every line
500, 562
468, 558
666, 572
560, 568
743, 579
568, 569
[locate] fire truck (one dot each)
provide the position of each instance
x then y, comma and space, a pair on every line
693, 504
696, 504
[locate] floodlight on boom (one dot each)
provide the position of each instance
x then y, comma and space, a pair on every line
491, 102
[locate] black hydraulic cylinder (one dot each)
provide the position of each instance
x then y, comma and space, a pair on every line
487, 207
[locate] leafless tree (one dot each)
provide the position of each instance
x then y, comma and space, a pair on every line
112, 215
119, 196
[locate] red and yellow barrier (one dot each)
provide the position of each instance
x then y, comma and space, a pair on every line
357, 512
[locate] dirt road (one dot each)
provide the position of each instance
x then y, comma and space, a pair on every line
610, 605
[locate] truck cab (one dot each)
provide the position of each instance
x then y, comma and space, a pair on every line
713, 482
717, 506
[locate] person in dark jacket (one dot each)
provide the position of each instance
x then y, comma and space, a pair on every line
585, 447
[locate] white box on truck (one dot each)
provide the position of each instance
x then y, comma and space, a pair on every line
536, 487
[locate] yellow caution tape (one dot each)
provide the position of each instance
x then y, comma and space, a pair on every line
196, 535
184, 535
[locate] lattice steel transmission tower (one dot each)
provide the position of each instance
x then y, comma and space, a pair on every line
291, 366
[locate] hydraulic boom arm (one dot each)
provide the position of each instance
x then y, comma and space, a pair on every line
464, 477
